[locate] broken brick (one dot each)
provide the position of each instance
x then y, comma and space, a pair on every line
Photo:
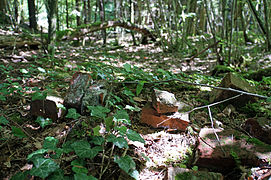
151, 117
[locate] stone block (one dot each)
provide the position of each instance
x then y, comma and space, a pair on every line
182, 173
78, 85
222, 154
164, 102
233, 81
84, 92
151, 117
260, 128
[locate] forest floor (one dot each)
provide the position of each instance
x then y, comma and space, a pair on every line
26, 67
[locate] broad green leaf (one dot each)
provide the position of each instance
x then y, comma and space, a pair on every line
127, 67
269, 99
139, 87
109, 123
66, 147
128, 92
122, 116
3, 120
83, 176
57, 153
20, 175
39, 95
58, 175
72, 114
78, 166
98, 140
134, 136
43, 121
98, 111
81, 148
36, 153
2, 98
18, 132
96, 130
43, 167
126, 163
122, 130
50, 143
120, 142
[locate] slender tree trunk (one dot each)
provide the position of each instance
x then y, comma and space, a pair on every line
85, 11
232, 30
213, 33
67, 14
102, 18
32, 14
51, 8
132, 19
77, 7
3, 6
266, 18
256, 16
89, 12
96, 10
16, 11
57, 19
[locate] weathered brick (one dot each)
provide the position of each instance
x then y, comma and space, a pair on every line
176, 121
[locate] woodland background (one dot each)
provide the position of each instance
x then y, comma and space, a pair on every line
133, 48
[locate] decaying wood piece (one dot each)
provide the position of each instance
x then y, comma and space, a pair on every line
18, 42
100, 26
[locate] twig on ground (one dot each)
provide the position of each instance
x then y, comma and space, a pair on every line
212, 123
219, 102
198, 84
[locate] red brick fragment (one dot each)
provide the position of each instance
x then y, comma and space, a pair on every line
47, 108
176, 121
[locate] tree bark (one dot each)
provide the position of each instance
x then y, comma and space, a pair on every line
67, 14
266, 12
89, 11
78, 20
51, 8
32, 14
102, 18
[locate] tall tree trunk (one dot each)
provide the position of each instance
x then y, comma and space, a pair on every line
85, 11
67, 14
256, 16
32, 14
233, 9
16, 11
266, 18
89, 11
213, 32
57, 19
132, 19
191, 20
102, 18
3, 6
77, 7
51, 8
